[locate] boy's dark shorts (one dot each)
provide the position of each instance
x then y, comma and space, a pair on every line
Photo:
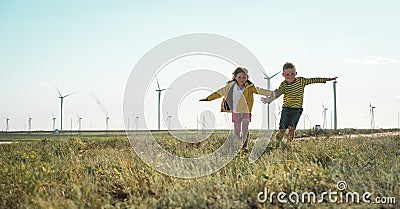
290, 117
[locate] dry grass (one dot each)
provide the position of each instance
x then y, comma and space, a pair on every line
104, 172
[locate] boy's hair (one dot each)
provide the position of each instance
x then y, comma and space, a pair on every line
289, 65
240, 70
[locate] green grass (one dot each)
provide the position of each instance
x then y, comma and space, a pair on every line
105, 172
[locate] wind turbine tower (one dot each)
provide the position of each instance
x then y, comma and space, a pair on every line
137, 122
309, 120
204, 123
61, 106
79, 122
7, 124
107, 119
29, 123
334, 106
159, 90
268, 79
54, 122
169, 121
372, 115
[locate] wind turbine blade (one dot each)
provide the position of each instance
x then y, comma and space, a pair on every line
59, 93
103, 109
275, 74
158, 85
261, 69
69, 94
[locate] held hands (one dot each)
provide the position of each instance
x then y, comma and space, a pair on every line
331, 79
266, 99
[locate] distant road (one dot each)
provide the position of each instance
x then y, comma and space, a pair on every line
5, 142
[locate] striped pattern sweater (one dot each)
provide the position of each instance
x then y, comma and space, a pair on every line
294, 92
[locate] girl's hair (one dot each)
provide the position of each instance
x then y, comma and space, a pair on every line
289, 65
240, 70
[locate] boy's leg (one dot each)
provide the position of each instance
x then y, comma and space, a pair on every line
279, 137
295, 116
291, 132
283, 125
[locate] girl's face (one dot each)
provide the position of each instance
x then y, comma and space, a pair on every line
289, 74
241, 78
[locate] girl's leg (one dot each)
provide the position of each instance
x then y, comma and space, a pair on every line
245, 131
237, 126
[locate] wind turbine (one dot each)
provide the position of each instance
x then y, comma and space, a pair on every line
279, 112
269, 87
29, 123
268, 79
309, 120
103, 109
203, 123
169, 121
61, 104
7, 124
107, 118
334, 105
159, 90
372, 115
79, 122
54, 121
324, 109
137, 122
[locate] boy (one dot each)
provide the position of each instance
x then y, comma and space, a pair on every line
293, 89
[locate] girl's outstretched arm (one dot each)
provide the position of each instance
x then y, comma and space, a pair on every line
271, 98
218, 94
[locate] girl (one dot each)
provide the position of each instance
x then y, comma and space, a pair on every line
238, 99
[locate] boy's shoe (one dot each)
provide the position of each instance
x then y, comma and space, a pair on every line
269, 149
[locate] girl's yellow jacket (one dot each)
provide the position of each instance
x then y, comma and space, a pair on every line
245, 104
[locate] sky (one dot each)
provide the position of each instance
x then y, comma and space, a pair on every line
91, 47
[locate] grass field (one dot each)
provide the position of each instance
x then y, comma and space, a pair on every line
97, 171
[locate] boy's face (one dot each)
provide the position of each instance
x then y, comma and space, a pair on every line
289, 74
241, 78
